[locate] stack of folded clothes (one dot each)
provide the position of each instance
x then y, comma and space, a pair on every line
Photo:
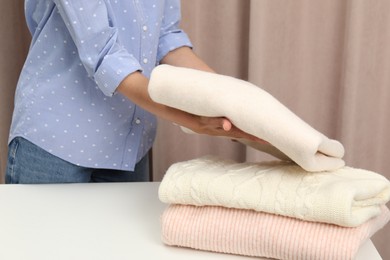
307, 206
273, 209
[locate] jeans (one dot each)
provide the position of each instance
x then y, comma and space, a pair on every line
28, 163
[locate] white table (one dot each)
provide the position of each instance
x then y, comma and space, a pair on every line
92, 221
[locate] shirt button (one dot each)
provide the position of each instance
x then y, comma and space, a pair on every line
145, 60
138, 121
145, 28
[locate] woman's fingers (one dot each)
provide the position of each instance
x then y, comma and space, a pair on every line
226, 124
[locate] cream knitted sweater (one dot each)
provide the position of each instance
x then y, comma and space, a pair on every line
346, 197
251, 109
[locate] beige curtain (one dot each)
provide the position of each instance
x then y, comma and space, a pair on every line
13, 48
328, 61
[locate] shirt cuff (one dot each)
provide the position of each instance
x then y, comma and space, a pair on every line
172, 41
113, 69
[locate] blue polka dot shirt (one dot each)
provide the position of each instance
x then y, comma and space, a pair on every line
65, 101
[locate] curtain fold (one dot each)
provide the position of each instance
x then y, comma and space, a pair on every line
14, 44
364, 116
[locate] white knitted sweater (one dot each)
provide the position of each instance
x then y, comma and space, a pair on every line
251, 109
346, 197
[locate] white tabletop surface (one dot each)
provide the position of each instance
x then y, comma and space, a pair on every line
93, 221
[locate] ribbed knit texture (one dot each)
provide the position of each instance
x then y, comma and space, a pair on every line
345, 197
251, 233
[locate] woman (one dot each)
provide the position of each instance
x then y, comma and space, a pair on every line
82, 110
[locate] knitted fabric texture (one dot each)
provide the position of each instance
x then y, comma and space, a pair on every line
247, 232
345, 197
249, 108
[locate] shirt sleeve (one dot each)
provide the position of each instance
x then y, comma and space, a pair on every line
101, 53
171, 36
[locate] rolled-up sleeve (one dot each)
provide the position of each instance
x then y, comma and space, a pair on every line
171, 36
105, 59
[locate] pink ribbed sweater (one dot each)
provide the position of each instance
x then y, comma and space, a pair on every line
247, 232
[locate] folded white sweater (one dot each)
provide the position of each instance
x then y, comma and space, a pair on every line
345, 197
249, 108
